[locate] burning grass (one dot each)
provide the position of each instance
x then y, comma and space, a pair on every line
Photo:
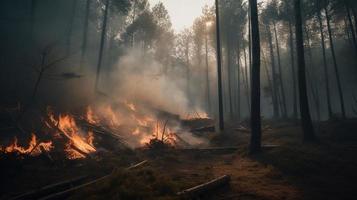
77, 134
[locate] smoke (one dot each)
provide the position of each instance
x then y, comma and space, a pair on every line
145, 100
141, 79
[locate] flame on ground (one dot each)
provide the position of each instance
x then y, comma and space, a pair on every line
34, 148
78, 145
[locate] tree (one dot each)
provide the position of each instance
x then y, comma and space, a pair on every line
120, 6
85, 34
308, 129
164, 35
323, 46
70, 27
102, 41
219, 69
332, 47
255, 141
275, 90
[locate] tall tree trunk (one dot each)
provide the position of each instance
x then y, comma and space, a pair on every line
310, 73
309, 134
292, 57
284, 108
188, 89
219, 69
102, 42
229, 63
245, 77
348, 33
332, 46
70, 27
207, 77
238, 83
250, 42
354, 12
84, 35
270, 84
255, 141
33, 20
353, 33
326, 76
275, 84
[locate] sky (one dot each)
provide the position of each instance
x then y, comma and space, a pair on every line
183, 12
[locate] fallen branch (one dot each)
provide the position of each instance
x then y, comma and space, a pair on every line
44, 191
204, 129
205, 187
211, 149
137, 165
66, 193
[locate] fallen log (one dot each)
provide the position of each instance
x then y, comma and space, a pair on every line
137, 165
66, 193
205, 187
204, 129
247, 130
44, 191
212, 149
270, 146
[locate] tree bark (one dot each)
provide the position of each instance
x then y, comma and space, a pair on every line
245, 77
332, 46
282, 88
33, 19
275, 84
292, 57
255, 141
102, 42
238, 83
326, 76
229, 63
207, 77
219, 69
85, 34
353, 33
309, 134
70, 27
314, 91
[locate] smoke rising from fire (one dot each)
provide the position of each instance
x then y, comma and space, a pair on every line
140, 78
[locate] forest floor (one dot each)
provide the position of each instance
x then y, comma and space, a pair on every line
290, 170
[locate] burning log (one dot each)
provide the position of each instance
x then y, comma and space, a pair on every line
205, 187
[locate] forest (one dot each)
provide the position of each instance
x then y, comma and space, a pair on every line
109, 99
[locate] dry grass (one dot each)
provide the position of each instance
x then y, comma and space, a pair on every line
294, 170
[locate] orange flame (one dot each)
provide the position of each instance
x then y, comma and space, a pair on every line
90, 116
34, 148
77, 145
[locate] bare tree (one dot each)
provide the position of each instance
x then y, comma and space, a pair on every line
255, 142
309, 134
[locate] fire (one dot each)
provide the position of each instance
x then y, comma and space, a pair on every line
131, 106
143, 120
156, 131
111, 116
34, 147
78, 145
90, 116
